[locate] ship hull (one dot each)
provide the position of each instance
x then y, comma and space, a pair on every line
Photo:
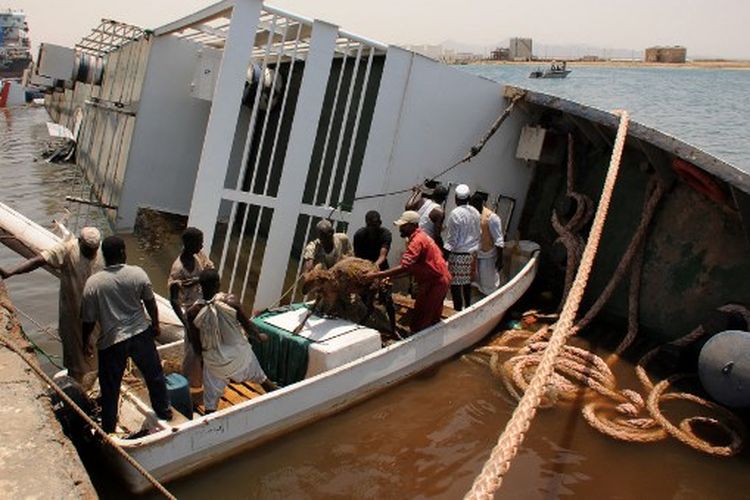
14, 68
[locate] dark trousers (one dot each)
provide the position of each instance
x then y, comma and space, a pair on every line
461, 296
428, 305
112, 362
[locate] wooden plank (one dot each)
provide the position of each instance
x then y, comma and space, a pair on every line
246, 390
406, 304
233, 397
255, 387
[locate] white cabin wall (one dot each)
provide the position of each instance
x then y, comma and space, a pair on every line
107, 126
168, 135
427, 117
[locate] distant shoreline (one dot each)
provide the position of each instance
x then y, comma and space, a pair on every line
626, 64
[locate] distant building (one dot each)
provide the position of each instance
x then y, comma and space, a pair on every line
520, 49
500, 54
674, 54
590, 58
450, 57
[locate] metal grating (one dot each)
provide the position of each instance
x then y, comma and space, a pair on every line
108, 36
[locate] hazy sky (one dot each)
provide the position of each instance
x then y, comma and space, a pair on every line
708, 28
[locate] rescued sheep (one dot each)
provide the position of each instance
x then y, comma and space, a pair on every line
343, 289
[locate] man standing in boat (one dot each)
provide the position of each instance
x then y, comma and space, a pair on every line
461, 243
373, 242
429, 205
184, 290
76, 259
490, 253
218, 330
114, 298
327, 249
423, 260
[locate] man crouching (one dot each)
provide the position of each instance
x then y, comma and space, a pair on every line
215, 330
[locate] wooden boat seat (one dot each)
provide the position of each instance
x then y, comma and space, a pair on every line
405, 304
235, 394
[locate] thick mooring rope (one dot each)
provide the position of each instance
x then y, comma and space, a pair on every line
569, 232
490, 479
151, 479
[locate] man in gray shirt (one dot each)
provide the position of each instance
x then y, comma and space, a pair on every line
114, 298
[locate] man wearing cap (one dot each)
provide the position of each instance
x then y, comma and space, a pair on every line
462, 242
327, 249
424, 260
76, 259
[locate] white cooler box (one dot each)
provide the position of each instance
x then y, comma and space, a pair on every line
335, 341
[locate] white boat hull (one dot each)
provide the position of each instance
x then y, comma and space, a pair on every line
177, 451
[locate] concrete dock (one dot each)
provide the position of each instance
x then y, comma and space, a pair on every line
36, 459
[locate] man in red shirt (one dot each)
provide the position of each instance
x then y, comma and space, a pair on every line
424, 260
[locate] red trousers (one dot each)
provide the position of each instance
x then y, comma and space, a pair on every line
428, 305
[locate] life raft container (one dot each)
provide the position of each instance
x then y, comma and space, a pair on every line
699, 180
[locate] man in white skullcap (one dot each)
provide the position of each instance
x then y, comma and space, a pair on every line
462, 242
75, 259
327, 249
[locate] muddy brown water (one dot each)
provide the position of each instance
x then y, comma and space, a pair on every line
425, 438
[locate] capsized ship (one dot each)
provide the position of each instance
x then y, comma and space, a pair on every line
15, 45
256, 138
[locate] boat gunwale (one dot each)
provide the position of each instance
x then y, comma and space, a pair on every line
664, 141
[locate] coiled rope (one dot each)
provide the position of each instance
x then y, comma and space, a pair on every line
624, 414
490, 479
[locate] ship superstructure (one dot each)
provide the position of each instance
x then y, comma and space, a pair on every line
15, 45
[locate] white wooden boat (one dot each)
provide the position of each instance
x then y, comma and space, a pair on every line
175, 449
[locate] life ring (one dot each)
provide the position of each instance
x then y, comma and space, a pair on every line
699, 180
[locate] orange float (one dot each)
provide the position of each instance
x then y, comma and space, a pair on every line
699, 180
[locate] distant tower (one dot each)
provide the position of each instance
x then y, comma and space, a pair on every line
520, 49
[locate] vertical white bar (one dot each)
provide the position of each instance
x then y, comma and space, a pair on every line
300, 261
251, 255
222, 121
342, 128
383, 138
267, 113
334, 105
245, 156
290, 74
352, 142
296, 164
